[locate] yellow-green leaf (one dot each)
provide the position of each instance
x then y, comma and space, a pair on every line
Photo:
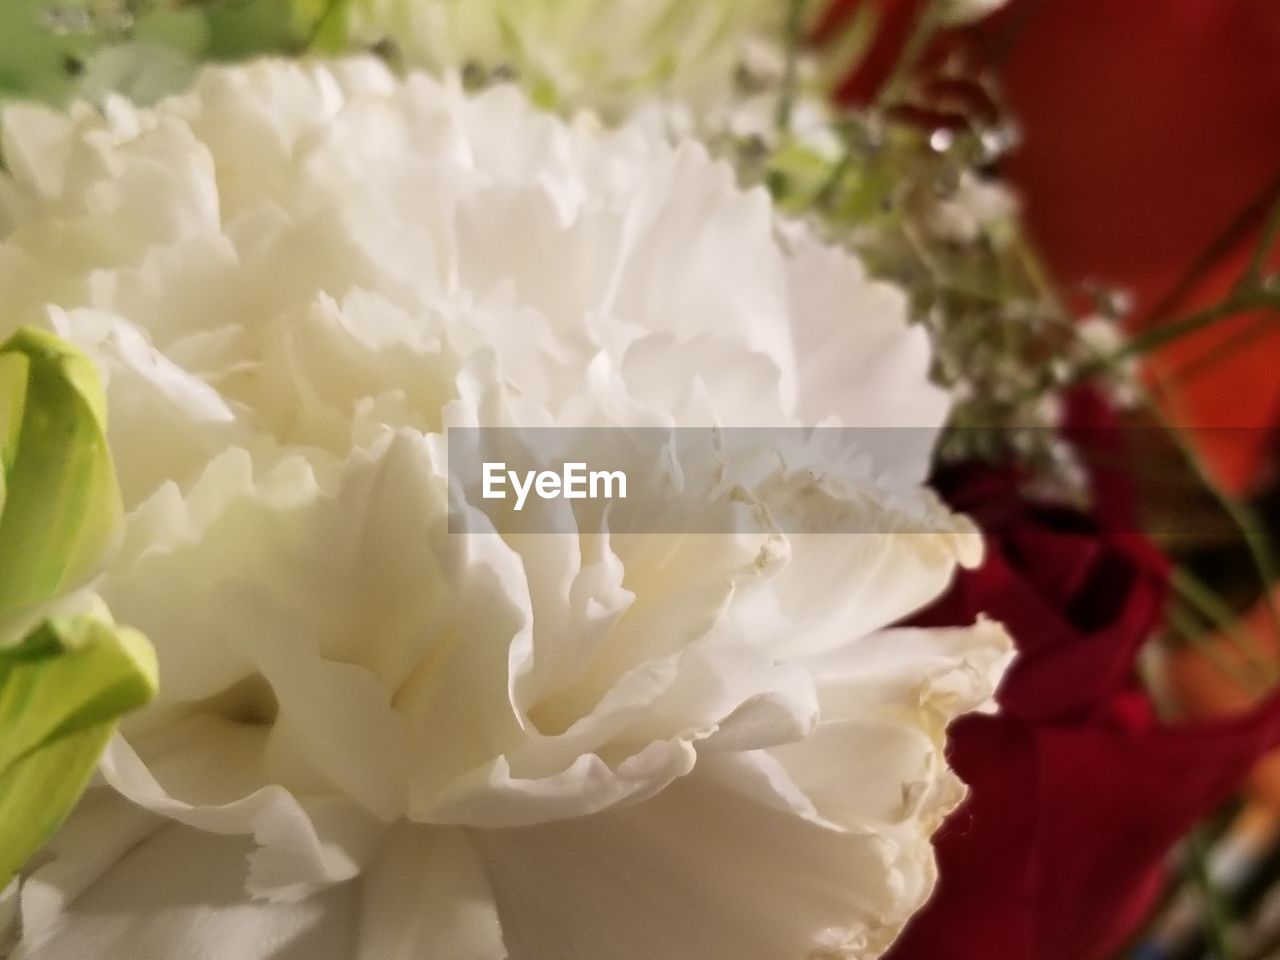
61, 502
62, 691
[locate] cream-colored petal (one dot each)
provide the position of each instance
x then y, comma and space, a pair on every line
427, 896
858, 359
301, 847
697, 872
180, 893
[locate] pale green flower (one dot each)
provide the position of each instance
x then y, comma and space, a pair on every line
578, 53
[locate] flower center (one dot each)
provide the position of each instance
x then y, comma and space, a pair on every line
250, 701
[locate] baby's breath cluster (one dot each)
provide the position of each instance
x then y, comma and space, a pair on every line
921, 206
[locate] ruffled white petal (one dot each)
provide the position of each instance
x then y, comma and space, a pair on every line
698, 871
428, 896
299, 849
179, 893
859, 361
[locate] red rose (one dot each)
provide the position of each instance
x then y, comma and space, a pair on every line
1149, 132
1078, 791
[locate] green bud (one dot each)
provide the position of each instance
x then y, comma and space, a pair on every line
60, 502
66, 682
62, 690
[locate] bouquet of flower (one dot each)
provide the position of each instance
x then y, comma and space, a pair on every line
639, 479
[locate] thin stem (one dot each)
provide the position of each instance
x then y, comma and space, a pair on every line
1181, 622
1254, 274
1151, 340
927, 22
826, 195
1235, 342
1223, 244
1251, 292
1213, 608
795, 37
1217, 918
1240, 513
1038, 275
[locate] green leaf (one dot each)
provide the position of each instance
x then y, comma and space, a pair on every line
62, 691
61, 500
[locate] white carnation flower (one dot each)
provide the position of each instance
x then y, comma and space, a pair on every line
379, 740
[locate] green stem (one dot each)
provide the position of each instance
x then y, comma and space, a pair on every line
1254, 275
1154, 339
826, 195
795, 38
1213, 608
1181, 621
1221, 246
1237, 341
1251, 292
927, 21
1239, 512
1217, 917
